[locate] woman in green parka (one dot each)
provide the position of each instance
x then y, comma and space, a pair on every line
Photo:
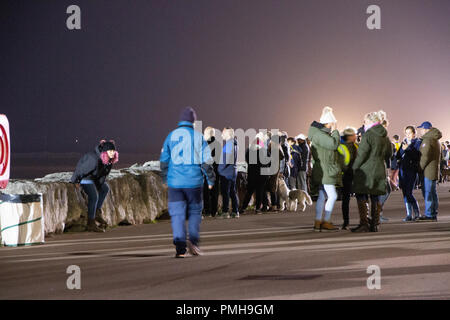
369, 179
327, 169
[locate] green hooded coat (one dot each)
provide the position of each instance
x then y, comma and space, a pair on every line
370, 163
430, 150
327, 163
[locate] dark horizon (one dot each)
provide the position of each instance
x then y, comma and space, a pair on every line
247, 64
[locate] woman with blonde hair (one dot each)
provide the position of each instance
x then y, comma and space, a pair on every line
369, 180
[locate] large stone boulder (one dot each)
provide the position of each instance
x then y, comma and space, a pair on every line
137, 196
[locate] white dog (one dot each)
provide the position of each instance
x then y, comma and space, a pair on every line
293, 199
299, 199
283, 194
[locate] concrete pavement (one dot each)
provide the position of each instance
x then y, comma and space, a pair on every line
270, 256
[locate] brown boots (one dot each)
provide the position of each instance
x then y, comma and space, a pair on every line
376, 213
92, 226
100, 220
363, 208
317, 224
324, 226
364, 225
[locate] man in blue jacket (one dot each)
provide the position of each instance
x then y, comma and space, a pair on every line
185, 163
228, 173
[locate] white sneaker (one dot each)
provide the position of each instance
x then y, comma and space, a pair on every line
193, 249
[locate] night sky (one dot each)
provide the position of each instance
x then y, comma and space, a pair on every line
242, 63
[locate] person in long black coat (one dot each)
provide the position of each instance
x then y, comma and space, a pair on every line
256, 180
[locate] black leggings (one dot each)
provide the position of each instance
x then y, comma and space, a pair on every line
256, 185
96, 197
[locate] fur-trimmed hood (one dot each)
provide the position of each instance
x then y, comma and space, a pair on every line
105, 158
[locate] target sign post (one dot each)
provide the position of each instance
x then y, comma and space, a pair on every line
5, 151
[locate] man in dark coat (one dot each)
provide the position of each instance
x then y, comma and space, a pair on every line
295, 163
305, 153
256, 180
429, 163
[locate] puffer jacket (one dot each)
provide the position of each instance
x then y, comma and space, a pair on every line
94, 166
186, 158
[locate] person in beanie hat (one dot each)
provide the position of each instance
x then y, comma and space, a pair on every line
430, 151
185, 162
188, 115
91, 172
327, 170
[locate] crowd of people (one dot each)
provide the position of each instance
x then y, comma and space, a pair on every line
363, 163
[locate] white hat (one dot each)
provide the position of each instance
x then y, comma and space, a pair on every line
327, 116
300, 136
260, 136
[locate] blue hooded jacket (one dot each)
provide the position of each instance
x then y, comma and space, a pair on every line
186, 158
227, 166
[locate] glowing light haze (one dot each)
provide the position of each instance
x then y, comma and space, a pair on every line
242, 63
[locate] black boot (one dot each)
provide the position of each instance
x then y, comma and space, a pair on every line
361, 228
363, 208
92, 226
99, 219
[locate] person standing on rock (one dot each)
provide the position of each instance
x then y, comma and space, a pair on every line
185, 162
369, 177
91, 173
327, 170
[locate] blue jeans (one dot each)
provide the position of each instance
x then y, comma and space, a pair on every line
407, 183
228, 187
431, 198
185, 204
96, 197
386, 196
326, 201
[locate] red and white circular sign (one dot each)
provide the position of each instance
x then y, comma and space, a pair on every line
5, 151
